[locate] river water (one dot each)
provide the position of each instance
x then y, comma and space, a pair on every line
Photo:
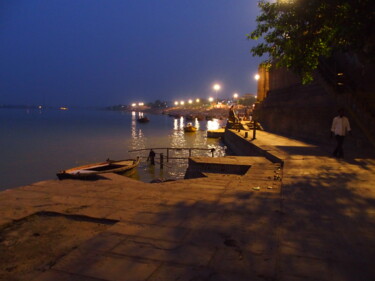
35, 144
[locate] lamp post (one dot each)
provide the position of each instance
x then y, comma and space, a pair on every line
216, 87
235, 97
255, 123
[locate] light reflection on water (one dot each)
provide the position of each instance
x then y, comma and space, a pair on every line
40, 143
177, 138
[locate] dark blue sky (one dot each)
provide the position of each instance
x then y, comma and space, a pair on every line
96, 52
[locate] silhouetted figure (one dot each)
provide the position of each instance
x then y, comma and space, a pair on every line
340, 128
151, 157
232, 115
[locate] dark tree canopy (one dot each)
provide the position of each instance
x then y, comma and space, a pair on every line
296, 33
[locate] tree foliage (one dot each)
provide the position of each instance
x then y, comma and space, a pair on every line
296, 33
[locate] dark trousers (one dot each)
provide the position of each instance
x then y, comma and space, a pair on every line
338, 150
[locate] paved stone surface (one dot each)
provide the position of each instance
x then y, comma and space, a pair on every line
311, 218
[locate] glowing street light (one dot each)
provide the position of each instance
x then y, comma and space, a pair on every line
216, 87
235, 95
197, 100
176, 103
182, 102
210, 99
190, 101
134, 104
141, 104
256, 76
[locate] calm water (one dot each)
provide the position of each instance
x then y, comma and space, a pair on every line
36, 144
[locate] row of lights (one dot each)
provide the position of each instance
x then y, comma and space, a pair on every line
183, 102
139, 104
215, 87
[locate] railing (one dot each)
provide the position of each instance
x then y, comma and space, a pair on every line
168, 150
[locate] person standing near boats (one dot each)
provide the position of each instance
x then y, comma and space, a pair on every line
232, 115
151, 157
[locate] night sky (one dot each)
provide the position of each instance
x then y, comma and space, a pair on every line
96, 52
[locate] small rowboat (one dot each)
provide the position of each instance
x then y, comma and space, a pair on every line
95, 169
190, 128
143, 120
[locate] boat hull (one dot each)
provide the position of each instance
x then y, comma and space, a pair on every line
95, 169
190, 129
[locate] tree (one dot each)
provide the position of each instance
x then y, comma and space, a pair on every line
296, 34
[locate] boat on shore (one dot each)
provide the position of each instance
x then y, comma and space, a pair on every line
92, 170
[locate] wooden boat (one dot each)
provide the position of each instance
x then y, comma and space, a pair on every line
190, 128
189, 117
92, 170
143, 120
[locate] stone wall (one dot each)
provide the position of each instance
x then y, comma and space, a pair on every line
298, 111
302, 111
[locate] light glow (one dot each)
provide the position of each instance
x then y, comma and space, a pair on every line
216, 87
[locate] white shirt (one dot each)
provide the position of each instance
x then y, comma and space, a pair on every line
340, 126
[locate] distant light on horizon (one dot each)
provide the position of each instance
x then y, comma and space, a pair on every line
141, 104
235, 95
190, 101
134, 104
197, 100
182, 102
210, 99
257, 76
176, 103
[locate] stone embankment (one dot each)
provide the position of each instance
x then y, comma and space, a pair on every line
204, 112
287, 211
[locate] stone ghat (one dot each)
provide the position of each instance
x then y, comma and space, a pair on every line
279, 220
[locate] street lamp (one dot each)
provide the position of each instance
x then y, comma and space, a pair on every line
197, 100
235, 95
256, 76
216, 87
210, 99
182, 102
176, 103
190, 101
134, 104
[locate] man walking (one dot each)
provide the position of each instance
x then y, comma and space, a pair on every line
340, 128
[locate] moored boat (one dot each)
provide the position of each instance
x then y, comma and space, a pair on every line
189, 117
91, 170
190, 128
143, 120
